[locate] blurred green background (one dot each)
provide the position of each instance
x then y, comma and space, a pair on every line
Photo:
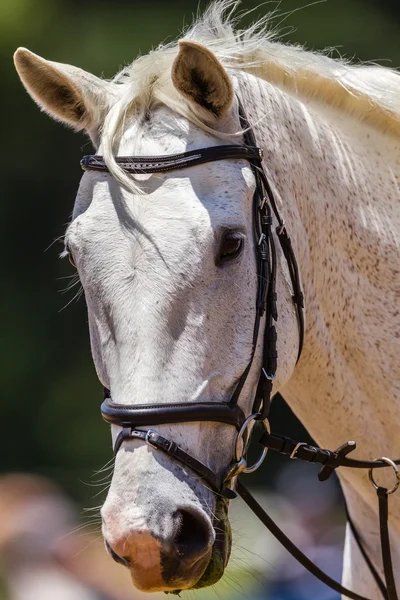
50, 395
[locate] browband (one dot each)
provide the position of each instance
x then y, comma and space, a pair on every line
159, 164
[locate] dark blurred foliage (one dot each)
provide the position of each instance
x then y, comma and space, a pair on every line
50, 395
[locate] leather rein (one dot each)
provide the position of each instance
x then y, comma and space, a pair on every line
132, 417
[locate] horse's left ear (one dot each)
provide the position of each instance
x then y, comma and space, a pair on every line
200, 77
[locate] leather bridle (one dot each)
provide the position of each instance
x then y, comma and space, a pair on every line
132, 417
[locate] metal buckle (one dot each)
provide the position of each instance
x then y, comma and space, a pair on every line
282, 228
240, 453
147, 438
395, 468
270, 377
293, 455
236, 468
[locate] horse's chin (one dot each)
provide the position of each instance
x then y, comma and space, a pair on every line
215, 568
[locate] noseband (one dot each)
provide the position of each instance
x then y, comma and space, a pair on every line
131, 417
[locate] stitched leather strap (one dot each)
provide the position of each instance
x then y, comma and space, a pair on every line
171, 449
365, 556
158, 414
161, 164
298, 298
313, 454
292, 548
331, 460
385, 543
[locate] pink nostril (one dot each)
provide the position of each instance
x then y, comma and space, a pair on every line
118, 559
178, 546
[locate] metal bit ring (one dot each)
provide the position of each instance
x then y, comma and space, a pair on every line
239, 453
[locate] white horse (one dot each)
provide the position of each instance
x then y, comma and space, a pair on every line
169, 323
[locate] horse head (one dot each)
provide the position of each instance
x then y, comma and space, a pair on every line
168, 264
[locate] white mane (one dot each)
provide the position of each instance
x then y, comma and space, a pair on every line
369, 93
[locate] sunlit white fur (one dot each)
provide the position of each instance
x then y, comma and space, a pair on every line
369, 93
180, 328
168, 325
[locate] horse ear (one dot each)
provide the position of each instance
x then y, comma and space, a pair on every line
199, 76
66, 93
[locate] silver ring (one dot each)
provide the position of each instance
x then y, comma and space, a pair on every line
236, 469
395, 468
239, 455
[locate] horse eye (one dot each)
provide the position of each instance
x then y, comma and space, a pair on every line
70, 257
231, 247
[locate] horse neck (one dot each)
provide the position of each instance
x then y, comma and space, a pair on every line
336, 184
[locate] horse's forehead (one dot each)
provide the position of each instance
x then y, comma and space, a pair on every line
209, 195
162, 131
206, 197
